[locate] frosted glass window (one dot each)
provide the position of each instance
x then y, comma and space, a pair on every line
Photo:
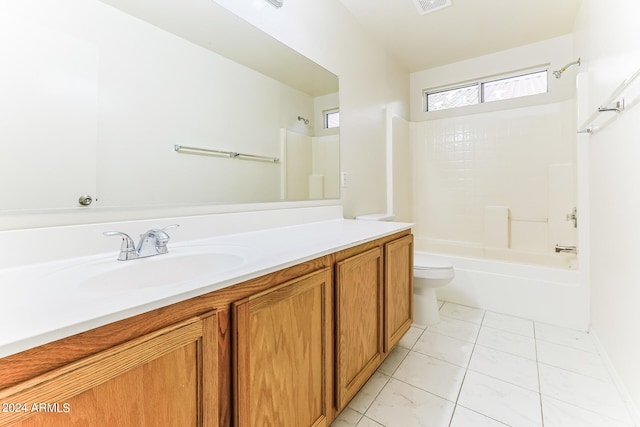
485, 90
515, 87
451, 98
332, 119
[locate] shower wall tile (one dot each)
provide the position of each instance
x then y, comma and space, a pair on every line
529, 236
464, 164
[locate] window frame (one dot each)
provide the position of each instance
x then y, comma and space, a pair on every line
479, 83
325, 115
427, 92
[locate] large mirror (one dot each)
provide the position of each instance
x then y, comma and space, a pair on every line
121, 99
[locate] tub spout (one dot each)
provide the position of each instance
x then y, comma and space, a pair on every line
567, 249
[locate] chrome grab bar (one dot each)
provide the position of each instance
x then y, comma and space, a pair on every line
231, 154
566, 249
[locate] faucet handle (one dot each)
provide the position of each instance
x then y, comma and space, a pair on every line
162, 238
154, 241
128, 247
161, 233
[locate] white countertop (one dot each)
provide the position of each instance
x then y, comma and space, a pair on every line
44, 302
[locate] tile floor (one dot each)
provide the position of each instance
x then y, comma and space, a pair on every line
482, 369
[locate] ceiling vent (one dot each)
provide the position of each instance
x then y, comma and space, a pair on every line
276, 3
428, 6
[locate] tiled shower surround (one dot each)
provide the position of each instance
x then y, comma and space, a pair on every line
522, 159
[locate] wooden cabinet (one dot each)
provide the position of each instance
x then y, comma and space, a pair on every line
282, 354
290, 348
358, 312
398, 291
164, 378
373, 310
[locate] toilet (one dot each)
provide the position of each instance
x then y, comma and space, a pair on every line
429, 274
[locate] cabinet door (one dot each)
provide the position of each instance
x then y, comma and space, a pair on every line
165, 378
398, 258
358, 322
282, 349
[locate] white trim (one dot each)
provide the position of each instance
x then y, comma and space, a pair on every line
389, 164
634, 413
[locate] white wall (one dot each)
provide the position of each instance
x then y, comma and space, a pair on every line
370, 81
500, 176
553, 53
607, 37
402, 169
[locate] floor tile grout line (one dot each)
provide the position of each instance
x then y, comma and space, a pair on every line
449, 336
506, 352
376, 396
440, 359
600, 414
535, 343
457, 338
610, 381
594, 351
520, 386
424, 390
462, 320
455, 403
582, 408
466, 371
484, 415
389, 377
509, 332
568, 346
571, 372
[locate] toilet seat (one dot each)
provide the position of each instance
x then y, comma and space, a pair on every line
432, 268
423, 261
433, 272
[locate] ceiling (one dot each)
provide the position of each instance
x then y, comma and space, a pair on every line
211, 26
467, 29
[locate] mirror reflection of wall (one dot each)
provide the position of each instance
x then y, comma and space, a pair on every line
94, 100
310, 168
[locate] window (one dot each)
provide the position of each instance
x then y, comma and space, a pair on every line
451, 98
515, 87
332, 119
487, 91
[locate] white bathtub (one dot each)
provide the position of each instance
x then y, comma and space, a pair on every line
552, 295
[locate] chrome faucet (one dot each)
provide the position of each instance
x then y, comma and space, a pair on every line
567, 249
152, 242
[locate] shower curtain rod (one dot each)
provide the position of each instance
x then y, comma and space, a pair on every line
230, 154
609, 105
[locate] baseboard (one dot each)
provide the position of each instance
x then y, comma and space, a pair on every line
634, 413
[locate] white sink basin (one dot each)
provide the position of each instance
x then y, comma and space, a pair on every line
181, 265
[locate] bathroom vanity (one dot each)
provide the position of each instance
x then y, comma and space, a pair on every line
285, 342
